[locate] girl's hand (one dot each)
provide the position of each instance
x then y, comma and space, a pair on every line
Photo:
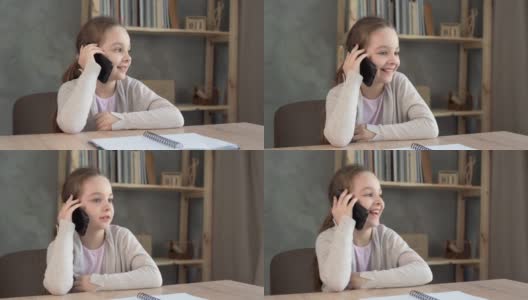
67, 209
83, 284
356, 281
353, 60
362, 134
86, 54
341, 207
105, 120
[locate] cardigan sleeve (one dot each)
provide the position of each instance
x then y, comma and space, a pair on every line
58, 277
150, 111
341, 110
420, 124
335, 255
75, 99
142, 270
411, 269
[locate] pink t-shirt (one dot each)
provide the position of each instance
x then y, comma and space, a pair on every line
92, 260
372, 110
362, 257
106, 104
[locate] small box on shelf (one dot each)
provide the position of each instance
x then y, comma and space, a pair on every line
419, 242
448, 177
197, 23
171, 178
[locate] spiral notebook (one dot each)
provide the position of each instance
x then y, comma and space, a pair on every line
416, 146
178, 296
152, 141
416, 295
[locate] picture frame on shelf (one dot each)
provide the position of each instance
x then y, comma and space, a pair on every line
171, 178
450, 30
197, 23
448, 177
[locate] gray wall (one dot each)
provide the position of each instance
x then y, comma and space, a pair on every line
295, 206
28, 215
38, 44
300, 56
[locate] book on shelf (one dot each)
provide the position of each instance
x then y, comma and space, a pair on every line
407, 16
396, 166
118, 166
138, 13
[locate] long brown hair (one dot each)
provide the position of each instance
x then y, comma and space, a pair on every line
342, 179
73, 183
359, 34
91, 33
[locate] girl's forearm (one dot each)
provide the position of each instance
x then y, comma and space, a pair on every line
58, 277
74, 103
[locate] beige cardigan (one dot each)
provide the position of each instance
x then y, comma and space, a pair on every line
336, 259
405, 114
126, 265
137, 106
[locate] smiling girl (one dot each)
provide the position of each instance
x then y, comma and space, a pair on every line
371, 257
391, 108
87, 104
95, 256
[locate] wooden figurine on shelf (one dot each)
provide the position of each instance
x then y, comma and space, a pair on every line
469, 169
456, 102
469, 30
451, 250
200, 97
193, 171
180, 250
190, 178
218, 13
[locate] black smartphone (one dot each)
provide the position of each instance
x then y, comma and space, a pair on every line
368, 70
106, 67
359, 212
80, 219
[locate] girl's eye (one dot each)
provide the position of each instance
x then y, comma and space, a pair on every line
111, 200
96, 200
397, 53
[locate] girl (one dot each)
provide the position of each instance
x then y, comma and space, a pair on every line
371, 257
391, 108
95, 256
85, 103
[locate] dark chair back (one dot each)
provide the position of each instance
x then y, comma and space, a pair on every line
300, 124
293, 272
22, 274
35, 114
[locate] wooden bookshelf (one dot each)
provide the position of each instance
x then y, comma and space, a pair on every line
178, 32
211, 39
483, 44
161, 261
187, 193
442, 113
430, 186
155, 187
442, 39
440, 261
192, 107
